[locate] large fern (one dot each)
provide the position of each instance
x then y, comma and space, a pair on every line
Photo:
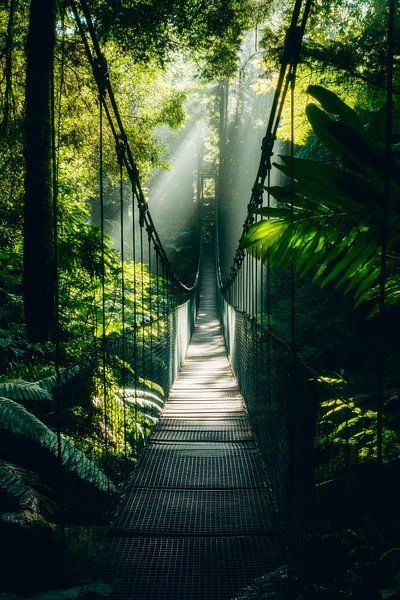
26, 427
334, 229
16, 490
50, 383
35, 391
149, 404
24, 391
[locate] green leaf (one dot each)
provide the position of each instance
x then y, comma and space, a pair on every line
319, 120
50, 383
335, 105
24, 391
26, 427
273, 212
356, 148
16, 486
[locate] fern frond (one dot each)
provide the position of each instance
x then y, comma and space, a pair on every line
16, 490
133, 395
50, 383
18, 421
24, 391
35, 391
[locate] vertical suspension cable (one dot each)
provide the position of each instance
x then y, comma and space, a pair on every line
250, 268
143, 374
261, 290
256, 268
268, 307
291, 495
246, 266
150, 306
158, 295
120, 156
251, 284
55, 153
165, 312
242, 285
269, 264
385, 228
163, 289
103, 281
135, 340
292, 193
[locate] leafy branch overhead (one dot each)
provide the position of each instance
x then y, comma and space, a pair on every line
335, 228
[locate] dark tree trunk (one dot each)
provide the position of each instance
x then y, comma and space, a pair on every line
38, 228
8, 67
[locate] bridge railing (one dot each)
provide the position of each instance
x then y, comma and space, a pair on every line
281, 400
143, 312
276, 386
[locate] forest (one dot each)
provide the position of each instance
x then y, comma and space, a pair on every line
131, 132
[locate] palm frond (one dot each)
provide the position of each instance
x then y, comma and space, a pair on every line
329, 223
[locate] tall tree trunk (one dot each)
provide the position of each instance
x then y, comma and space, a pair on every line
38, 228
223, 91
8, 67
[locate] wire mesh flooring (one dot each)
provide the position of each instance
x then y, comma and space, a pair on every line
196, 521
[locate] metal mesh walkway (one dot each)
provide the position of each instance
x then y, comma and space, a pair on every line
196, 521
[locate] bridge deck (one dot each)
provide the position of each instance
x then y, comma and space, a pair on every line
196, 521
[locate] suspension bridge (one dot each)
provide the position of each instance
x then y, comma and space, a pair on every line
223, 492
197, 519
216, 504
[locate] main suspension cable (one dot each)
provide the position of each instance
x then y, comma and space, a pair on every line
99, 66
287, 72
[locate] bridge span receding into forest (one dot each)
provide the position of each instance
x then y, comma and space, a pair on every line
197, 520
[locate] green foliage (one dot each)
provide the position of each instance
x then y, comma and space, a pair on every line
25, 427
50, 383
150, 404
16, 490
347, 432
28, 392
94, 590
153, 30
24, 391
344, 40
334, 229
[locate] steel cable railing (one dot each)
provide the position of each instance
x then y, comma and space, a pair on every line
280, 398
316, 463
157, 309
